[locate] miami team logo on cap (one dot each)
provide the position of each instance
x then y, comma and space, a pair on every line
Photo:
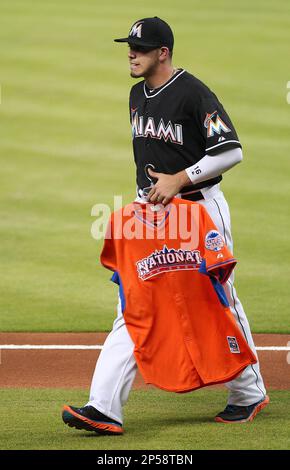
214, 241
136, 29
233, 344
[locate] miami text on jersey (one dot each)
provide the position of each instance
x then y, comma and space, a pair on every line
168, 260
150, 129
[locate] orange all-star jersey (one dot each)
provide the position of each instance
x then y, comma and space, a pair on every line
170, 263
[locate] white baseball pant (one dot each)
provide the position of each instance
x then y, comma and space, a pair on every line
116, 366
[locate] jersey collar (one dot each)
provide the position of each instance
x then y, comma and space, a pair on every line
152, 215
156, 91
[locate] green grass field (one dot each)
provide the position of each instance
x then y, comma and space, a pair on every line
153, 420
65, 145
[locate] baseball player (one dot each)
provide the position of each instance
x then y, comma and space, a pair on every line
183, 141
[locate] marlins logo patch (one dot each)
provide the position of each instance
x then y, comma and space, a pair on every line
214, 124
214, 241
233, 344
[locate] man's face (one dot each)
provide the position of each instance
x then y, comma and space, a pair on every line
142, 62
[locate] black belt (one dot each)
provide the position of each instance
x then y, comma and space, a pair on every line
190, 196
196, 196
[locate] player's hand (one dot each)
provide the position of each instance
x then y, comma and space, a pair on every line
167, 186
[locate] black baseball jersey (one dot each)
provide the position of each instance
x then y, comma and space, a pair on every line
176, 125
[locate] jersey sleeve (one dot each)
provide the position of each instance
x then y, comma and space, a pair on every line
216, 127
108, 256
217, 260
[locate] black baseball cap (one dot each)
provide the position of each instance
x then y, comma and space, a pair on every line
150, 32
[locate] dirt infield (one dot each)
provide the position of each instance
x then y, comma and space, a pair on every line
74, 368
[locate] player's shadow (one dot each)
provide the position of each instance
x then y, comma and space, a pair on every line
166, 422
150, 426
156, 425
183, 420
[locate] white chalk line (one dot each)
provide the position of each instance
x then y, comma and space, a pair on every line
84, 347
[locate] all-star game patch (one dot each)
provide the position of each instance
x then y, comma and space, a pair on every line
214, 241
233, 344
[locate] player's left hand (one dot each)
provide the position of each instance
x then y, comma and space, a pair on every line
167, 186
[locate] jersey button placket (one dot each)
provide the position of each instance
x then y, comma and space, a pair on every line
146, 115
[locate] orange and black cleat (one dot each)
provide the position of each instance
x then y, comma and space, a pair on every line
241, 414
90, 419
